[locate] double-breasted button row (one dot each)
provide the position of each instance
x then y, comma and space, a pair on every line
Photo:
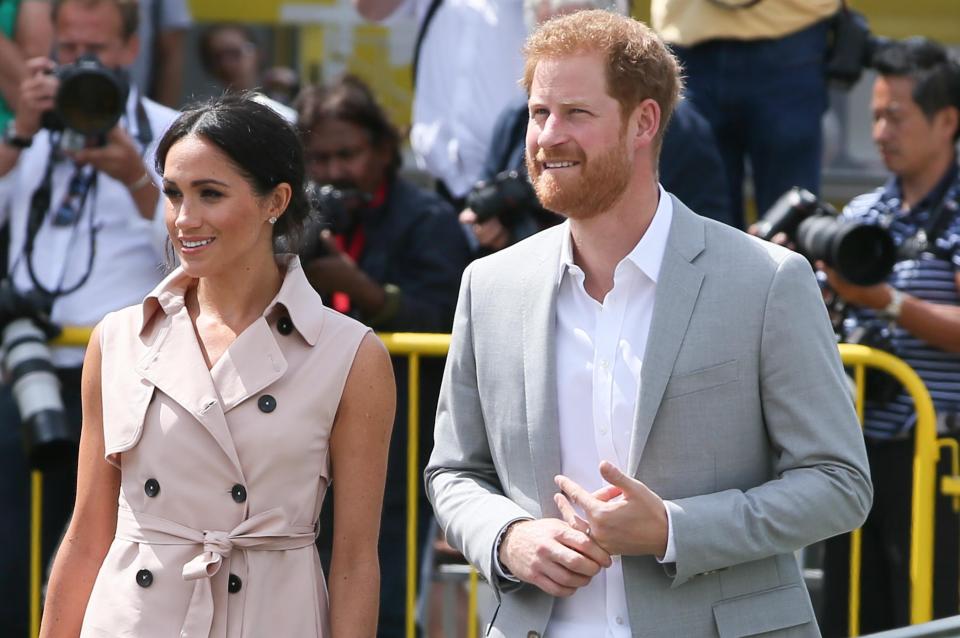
144, 578
151, 487
234, 584
284, 325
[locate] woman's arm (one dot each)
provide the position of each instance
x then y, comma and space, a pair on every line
358, 448
94, 520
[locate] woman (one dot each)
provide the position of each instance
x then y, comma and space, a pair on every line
217, 412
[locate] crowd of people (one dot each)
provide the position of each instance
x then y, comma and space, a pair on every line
642, 415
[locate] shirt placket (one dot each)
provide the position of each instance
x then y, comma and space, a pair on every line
609, 327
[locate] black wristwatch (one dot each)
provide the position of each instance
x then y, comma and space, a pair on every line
10, 137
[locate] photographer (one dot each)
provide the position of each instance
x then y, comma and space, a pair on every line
85, 224
915, 315
392, 256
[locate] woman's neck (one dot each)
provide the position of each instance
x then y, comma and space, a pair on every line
238, 296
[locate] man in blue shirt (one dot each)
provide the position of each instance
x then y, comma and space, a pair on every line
915, 314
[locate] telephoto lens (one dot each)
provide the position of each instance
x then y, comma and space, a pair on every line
48, 440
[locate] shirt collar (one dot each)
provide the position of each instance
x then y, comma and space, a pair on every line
647, 255
893, 190
296, 295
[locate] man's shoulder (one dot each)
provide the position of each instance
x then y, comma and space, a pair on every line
742, 255
413, 200
159, 113
520, 257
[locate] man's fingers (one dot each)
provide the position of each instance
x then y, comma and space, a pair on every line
576, 494
587, 548
607, 493
612, 474
568, 567
570, 515
40, 65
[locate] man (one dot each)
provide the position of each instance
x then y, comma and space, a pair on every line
466, 62
393, 261
635, 353
98, 245
25, 32
756, 71
158, 69
915, 315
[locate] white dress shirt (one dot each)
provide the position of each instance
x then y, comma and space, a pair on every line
128, 261
470, 62
600, 349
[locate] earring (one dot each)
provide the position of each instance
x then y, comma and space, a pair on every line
272, 220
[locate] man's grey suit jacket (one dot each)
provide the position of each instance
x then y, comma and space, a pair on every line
743, 420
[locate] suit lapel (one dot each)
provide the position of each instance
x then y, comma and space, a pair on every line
539, 371
174, 364
677, 290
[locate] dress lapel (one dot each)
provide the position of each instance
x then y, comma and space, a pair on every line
539, 371
677, 291
251, 363
175, 365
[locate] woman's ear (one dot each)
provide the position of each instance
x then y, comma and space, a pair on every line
278, 200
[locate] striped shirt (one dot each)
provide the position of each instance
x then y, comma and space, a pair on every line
930, 276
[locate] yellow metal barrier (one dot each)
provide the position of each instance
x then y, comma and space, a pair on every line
926, 455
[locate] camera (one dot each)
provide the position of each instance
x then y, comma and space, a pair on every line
90, 98
509, 196
331, 211
852, 47
862, 254
24, 331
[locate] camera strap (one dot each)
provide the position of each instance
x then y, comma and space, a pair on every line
925, 238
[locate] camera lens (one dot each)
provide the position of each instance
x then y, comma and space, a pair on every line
861, 253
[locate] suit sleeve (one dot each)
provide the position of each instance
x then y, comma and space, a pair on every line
821, 484
461, 480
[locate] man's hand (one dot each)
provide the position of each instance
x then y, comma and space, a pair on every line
877, 296
335, 272
626, 518
37, 93
490, 234
552, 555
118, 158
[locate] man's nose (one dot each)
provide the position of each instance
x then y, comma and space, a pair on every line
551, 133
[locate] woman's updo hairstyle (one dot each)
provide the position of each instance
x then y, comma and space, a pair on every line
262, 145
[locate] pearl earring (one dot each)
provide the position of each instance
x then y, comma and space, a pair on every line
272, 220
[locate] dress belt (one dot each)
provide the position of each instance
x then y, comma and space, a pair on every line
265, 531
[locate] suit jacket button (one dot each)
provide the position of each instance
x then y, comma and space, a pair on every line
234, 584
284, 325
144, 578
239, 493
267, 403
151, 487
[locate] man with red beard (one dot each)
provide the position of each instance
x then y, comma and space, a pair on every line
643, 412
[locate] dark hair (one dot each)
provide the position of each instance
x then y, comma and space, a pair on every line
129, 12
936, 76
205, 41
350, 100
262, 145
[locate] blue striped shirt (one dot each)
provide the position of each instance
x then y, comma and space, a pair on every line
931, 277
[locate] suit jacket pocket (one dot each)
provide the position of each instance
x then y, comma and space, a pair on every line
763, 611
702, 379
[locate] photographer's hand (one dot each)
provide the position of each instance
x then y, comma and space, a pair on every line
337, 272
120, 159
36, 96
876, 297
490, 234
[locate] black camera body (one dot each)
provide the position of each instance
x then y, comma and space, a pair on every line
90, 99
24, 330
508, 197
852, 47
863, 254
332, 211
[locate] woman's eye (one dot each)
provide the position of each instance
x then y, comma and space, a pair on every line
210, 194
170, 193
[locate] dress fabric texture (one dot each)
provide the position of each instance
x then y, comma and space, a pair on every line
223, 471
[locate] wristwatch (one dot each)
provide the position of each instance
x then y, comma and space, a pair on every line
893, 308
10, 137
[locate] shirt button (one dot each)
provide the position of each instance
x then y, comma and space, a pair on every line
604, 364
284, 325
234, 584
239, 493
603, 430
151, 487
267, 404
619, 620
144, 578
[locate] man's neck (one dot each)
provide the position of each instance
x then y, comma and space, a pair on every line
915, 187
601, 242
